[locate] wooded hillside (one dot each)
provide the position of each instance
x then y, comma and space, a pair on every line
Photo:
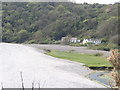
48, 22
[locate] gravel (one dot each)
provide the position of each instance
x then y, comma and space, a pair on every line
68, 48
50, 72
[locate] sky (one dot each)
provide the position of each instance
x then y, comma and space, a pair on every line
77, 1
96, 1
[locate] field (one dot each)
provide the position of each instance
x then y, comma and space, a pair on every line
90, 60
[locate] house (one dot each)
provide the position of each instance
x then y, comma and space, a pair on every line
74, 40
65, 40
93, 41
69, 40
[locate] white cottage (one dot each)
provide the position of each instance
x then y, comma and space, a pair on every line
94, 41
73, 40
70, 39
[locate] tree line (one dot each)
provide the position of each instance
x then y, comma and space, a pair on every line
47, 22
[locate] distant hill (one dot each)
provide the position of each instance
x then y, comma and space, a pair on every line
49, 21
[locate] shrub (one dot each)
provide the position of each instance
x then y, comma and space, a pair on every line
98, 54
74, 44
47, 50
71, 51
78, 44
105, 47
114, 59
31, 42
22, 36
57, 42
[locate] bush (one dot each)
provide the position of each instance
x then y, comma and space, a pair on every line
31, 42
44, 42
71, 51
74, 44
47, 50
105, 47
22, 36
57, 42
98, 54
77, 44
114, 59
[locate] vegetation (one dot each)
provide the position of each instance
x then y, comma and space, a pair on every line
115, 61
98, 54
88, 59
77, 44
47, 22
105, 47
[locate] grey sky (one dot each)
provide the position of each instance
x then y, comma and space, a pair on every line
76, 1
97, 1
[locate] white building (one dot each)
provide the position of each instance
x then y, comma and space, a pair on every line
70, 39
94, 41
73, 40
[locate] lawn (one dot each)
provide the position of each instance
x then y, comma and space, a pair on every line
88, 59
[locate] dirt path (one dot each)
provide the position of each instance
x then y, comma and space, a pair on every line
38, 67
68, 48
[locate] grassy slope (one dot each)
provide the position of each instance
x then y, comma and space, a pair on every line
88, 59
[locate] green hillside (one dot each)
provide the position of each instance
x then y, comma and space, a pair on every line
29, 22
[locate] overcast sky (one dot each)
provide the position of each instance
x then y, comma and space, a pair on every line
77, 1
97, 1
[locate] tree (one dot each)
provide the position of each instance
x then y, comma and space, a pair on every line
115, 61
52, 21
39, 36
23, 35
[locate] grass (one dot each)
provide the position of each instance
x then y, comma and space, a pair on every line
105, 47
106, 76
88, 59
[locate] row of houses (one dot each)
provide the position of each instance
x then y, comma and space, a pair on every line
93, 41
76, 40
